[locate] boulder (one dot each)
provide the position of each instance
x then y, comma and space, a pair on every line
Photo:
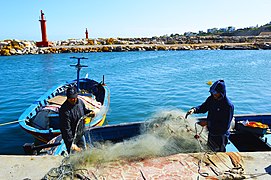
5, 52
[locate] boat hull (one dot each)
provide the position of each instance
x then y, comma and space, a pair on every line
125, 131
45, 134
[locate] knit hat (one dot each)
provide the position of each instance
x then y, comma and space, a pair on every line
71, 92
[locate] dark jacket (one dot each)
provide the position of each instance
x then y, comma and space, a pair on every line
69, 116
220, 112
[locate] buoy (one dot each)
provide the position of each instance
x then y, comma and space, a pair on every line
209, 83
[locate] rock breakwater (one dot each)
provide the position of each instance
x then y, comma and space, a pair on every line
22, 47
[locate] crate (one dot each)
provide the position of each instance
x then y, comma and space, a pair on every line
254, 130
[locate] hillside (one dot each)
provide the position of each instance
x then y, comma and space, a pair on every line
254, 31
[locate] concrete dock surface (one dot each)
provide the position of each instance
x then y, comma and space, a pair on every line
189, 166
233, 165
26, 167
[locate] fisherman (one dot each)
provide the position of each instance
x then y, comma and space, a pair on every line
220, 113
71, 122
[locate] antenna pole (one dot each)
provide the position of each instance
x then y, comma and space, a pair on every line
78, 66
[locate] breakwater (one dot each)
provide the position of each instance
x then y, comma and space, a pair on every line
22, 47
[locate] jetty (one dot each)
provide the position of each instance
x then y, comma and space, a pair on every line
23, 47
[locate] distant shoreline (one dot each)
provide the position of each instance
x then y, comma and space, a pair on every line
19, 47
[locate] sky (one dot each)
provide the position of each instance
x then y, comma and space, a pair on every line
68, 19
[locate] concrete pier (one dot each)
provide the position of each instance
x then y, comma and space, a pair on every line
248, 165
26, 167
189, 166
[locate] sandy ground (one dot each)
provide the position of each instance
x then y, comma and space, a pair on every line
23, 167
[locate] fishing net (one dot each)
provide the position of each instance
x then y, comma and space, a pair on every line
164, 134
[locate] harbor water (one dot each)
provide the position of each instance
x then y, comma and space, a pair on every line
142, 84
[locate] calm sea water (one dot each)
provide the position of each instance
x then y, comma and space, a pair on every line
141, 83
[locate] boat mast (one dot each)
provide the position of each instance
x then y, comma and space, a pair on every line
78, 66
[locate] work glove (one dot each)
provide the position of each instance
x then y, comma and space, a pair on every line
191, 111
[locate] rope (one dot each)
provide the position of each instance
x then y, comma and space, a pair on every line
197, 137
76, 129
230, 172
89, 133
66, 170
12, 122
203, 174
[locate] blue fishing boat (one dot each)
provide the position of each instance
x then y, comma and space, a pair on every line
41, 119
243, 138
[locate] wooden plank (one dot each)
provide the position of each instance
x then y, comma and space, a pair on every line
59, 100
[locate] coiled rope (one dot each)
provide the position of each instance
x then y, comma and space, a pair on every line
65, 170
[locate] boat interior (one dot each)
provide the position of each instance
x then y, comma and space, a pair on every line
91, 93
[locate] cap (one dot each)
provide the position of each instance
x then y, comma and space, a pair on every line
71, 92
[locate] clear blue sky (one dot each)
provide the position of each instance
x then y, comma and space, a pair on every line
126, 18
